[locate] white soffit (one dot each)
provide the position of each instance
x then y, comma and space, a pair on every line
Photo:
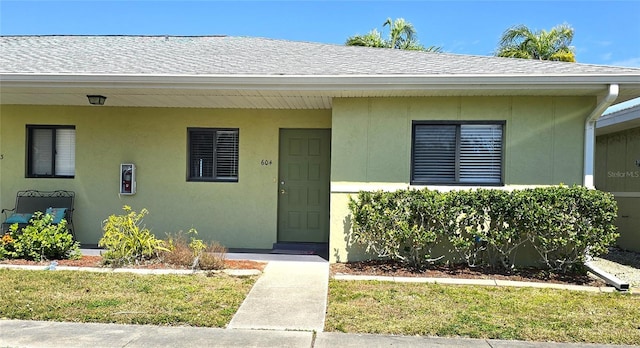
286, 92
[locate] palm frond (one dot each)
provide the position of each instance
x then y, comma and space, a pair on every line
521, 42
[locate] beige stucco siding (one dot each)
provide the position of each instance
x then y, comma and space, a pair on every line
371, 145
617, 171
242, 214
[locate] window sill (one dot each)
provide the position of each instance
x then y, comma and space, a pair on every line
212, 180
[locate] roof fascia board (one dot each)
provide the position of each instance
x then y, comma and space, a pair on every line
623, 116
311, 82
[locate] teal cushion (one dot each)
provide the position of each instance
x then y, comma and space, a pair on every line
19, 218
57, 213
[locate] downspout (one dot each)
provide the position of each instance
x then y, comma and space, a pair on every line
590, 134
589, 165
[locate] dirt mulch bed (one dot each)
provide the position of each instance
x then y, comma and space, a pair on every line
395, 269
377, 268
96, 261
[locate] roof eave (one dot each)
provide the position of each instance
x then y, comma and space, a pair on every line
312, 82
293, 91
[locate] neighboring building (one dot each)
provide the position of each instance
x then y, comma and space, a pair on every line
618, 169
254, 141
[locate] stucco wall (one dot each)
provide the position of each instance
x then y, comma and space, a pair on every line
371, 149
371, 145
617, 171
242, 214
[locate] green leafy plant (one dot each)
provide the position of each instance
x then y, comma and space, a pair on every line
5, 245
568, 223
484, 231
40, 240
126, 240
401, 225
486, 228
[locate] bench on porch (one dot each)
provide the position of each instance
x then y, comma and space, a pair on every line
59, 204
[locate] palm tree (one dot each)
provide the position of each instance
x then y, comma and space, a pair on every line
555, 44
370, 39
402, 35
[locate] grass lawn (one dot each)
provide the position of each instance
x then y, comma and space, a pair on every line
483, 312
196, 300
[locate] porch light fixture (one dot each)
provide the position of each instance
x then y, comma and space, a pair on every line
96, 99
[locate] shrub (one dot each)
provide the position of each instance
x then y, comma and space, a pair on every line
486, 227
401, 225
484, 230
40, 240
178, 251
212, 257
6, 244
565, 224
188, 251
126, 241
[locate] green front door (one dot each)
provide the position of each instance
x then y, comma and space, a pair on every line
303, 203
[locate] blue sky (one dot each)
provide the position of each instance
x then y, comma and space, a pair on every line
606, 32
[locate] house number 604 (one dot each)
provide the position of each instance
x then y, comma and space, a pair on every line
265, 162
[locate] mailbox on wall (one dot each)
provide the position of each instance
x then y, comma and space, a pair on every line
127, 179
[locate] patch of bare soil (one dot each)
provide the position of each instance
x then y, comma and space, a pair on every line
96, 261
396, 269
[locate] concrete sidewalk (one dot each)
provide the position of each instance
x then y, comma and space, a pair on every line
36, 334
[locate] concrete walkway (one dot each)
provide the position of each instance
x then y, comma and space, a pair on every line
290, 295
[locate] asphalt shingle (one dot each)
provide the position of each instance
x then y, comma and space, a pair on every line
222, 55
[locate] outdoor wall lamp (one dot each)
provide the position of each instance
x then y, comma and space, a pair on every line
96, 99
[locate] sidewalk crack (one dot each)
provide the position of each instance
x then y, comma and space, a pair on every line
313, 338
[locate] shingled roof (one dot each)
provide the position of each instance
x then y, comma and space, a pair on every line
321, 70
222, 55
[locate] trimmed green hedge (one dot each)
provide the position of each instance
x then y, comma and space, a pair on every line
486, 227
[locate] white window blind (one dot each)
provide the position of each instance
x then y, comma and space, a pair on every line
457, 153
65, 152
480, 153
42, 152
52, 151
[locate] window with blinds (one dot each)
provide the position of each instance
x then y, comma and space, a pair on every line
51, 151
213, 154
465, 153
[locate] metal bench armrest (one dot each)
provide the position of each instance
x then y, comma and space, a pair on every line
5, 210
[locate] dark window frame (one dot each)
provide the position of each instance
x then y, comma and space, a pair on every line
215, 177
457, 124
29, 167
